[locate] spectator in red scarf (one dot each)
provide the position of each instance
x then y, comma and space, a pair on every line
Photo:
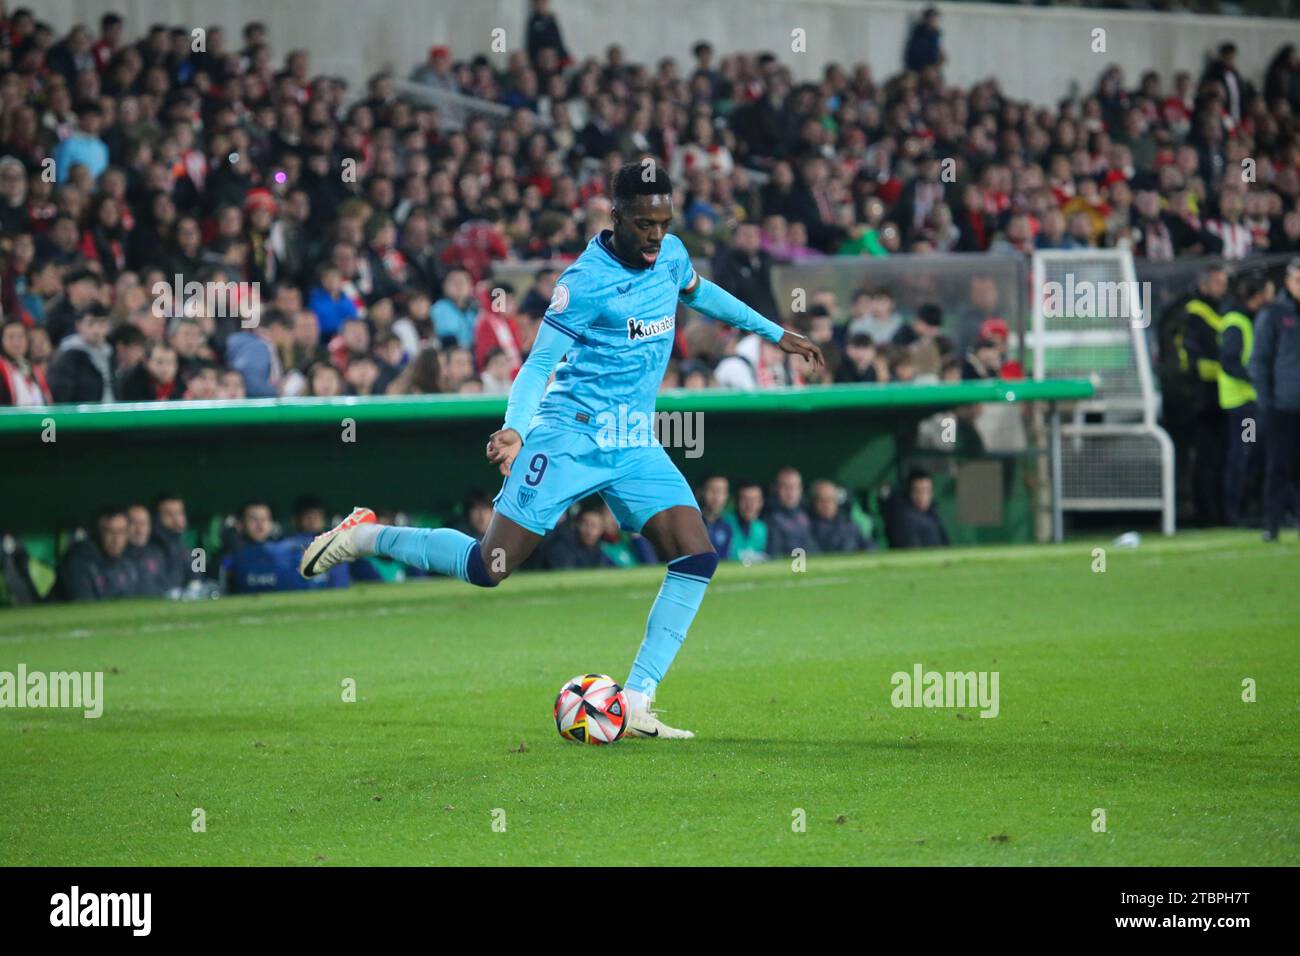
153, 380
498, 330
387, 263
352, 343
20, 382
975, 225
104, 241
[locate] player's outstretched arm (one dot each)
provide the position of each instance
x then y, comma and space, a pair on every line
709, 298
526, 394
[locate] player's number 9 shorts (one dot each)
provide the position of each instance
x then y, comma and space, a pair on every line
557, 467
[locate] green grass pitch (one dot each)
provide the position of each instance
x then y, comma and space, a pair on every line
1119, 690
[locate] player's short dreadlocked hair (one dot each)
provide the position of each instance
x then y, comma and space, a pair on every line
646, 177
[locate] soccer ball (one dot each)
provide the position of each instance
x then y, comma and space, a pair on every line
591, 709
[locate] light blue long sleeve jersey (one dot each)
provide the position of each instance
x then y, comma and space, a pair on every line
613, 322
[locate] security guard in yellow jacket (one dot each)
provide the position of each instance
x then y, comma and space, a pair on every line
1203, 322
1237, 394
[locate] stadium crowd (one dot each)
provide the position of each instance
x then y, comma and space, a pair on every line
370, 225
366, 231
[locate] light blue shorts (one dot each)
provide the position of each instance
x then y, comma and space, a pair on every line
557, 467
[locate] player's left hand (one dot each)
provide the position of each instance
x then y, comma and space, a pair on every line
502, 448
796, 344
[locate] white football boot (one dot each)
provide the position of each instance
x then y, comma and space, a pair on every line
334, 546
646, 723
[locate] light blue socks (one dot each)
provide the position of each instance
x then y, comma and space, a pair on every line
442, 550
670, 618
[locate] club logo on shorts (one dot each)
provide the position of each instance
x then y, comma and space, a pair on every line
559, 299
636, 329
526, 496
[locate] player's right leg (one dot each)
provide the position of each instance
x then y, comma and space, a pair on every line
553, 469
440, 550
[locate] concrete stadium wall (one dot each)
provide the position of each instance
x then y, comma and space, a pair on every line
1036, 53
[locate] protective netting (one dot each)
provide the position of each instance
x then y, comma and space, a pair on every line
1105, 471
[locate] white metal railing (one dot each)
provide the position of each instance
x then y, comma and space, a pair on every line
1115, 464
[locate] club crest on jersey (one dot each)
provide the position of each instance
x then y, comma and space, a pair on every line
526, 496
636, 329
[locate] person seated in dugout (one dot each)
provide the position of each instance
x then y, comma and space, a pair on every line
260, 562
832, 526
99, 568
913, 521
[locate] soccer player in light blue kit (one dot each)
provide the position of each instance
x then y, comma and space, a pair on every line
611, 320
